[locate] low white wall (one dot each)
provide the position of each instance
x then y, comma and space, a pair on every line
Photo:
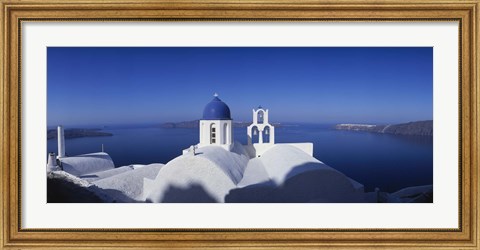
306, 147
261, 148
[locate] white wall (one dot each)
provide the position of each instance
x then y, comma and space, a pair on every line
224, 137
261, 148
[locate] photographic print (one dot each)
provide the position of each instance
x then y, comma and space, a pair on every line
239, 125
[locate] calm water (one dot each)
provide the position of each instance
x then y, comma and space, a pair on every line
376, 160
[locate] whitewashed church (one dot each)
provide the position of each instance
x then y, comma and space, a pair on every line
216, 128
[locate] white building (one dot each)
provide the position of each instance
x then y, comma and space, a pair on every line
216, 125
221, 170
216, 129
77, 165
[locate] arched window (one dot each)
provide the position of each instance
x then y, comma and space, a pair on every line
255, 134
266, 134
225, 133
260, 116
213, 134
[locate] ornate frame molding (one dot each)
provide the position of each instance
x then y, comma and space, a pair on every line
15, 12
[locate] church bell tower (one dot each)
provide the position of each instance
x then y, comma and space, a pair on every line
216, 125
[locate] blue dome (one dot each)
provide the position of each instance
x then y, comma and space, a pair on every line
216, 110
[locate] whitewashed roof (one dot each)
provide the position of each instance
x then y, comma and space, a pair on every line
88, 163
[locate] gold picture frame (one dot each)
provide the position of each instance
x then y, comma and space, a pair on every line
16, 12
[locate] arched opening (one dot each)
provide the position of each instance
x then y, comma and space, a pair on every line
255, 134
266, 134
225, 134
260, 116
213, 134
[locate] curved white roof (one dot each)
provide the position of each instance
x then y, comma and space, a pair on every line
284, 161
294, 176
128, 185
284, 173
206, 177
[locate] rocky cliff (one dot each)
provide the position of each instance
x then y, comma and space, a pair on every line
424, 128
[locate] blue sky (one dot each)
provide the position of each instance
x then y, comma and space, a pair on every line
139, 85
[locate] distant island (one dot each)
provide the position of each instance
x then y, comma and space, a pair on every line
194, 124
77, 133
423, 128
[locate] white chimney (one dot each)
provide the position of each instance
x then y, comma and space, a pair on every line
52, 162
61, 142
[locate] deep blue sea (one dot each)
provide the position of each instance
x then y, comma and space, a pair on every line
389, 162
